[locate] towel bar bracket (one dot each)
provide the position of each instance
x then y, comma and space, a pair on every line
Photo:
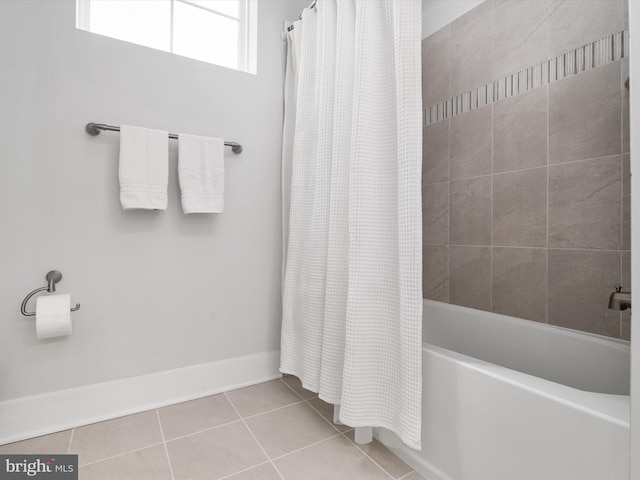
92, 129
95, 128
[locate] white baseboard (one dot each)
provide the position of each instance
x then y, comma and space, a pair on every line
52, 412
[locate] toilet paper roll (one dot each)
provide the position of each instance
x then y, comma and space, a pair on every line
53, 316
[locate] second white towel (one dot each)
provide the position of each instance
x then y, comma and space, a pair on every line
201, 173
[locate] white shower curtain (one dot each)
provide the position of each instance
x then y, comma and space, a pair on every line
352, 259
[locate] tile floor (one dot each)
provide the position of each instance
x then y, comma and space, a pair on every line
270, 431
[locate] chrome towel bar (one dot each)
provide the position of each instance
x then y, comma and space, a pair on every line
94, 129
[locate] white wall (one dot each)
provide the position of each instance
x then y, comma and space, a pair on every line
158, 290
438, 13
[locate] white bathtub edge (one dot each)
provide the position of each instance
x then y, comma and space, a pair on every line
484, 418
612, 408
533, 325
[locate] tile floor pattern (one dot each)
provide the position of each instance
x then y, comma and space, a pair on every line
271, 431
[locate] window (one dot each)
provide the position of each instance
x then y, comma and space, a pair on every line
222, 32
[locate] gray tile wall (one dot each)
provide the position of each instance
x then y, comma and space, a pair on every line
526, 202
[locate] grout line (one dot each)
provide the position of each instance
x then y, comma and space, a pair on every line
622, 88
548, 134
449, 191
292, 389
121, 454
436, 183
408, 475
576, 249
448, 196
70, 440
164, 444
493, 113
526, 169
621, 233
325, 419
313, 408
306, 401
547, 165
233, 421
203, 430
307, 446
470, 178
604, 250
268, 411
449, 177
366, 455
602, 157
240, 418
255, 438
244, 470
497, 246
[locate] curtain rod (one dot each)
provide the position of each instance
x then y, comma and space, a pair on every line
310, 7
94, 129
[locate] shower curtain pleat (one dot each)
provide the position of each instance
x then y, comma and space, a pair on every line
303, 286
335, 304
352, 299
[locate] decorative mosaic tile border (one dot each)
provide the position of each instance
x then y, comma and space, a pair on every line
595, 54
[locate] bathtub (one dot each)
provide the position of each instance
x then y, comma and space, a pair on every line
509, 399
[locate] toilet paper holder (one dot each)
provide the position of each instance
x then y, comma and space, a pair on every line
52, 277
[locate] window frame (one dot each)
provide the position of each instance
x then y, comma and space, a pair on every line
247, 29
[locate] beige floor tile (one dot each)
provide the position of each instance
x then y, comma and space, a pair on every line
121, 435
215, 453
296, 385
383, 457
263, 472
196, 415
326, 410
262, 397
298, 434
288, 429
148, 464
335, 459
54, 443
